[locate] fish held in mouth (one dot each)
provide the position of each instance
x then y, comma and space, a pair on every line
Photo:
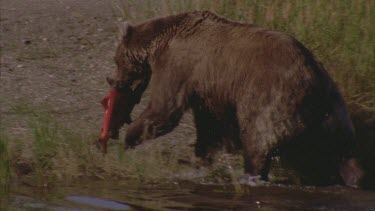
118, 106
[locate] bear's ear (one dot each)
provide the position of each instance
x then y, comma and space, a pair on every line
124, 29
111, 81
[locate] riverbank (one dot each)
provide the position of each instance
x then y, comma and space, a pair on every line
55, 57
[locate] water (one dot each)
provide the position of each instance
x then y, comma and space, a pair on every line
97, 202
130, 195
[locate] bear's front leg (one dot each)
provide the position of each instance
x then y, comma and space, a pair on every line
152, 123
134, 133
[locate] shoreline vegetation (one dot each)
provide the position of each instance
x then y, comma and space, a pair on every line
339, 33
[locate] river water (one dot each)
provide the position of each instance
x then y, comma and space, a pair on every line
130, 195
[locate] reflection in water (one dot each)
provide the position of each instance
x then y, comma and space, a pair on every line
97, 202
128, 195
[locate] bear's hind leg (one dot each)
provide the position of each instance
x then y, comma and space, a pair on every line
257, 153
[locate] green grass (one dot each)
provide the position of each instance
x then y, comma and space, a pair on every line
4, 170
52, 153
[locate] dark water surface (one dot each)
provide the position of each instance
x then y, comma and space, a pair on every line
93, 195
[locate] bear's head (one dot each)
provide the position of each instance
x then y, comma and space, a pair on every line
129, 79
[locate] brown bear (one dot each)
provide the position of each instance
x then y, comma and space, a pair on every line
249, 88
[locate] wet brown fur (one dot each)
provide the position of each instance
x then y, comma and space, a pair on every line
250, 88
